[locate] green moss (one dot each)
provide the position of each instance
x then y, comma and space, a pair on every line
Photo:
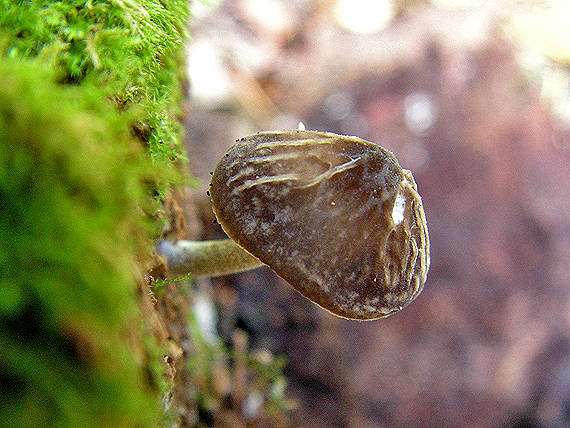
69, 198
128, 50
78, 81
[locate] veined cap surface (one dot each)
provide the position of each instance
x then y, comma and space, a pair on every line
335, 216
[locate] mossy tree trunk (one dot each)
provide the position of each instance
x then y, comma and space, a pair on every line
90, 145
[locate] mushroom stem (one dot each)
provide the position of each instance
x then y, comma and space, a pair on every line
207, 258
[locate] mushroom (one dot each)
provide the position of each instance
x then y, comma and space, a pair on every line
333, 215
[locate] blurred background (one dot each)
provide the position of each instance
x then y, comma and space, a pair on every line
473, 97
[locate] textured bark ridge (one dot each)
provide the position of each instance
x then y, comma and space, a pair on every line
335, 216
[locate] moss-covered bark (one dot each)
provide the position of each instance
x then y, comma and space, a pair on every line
82, 83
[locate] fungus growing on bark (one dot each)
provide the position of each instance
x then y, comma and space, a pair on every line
335, 216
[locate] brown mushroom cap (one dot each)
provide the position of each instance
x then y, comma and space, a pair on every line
335, 216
